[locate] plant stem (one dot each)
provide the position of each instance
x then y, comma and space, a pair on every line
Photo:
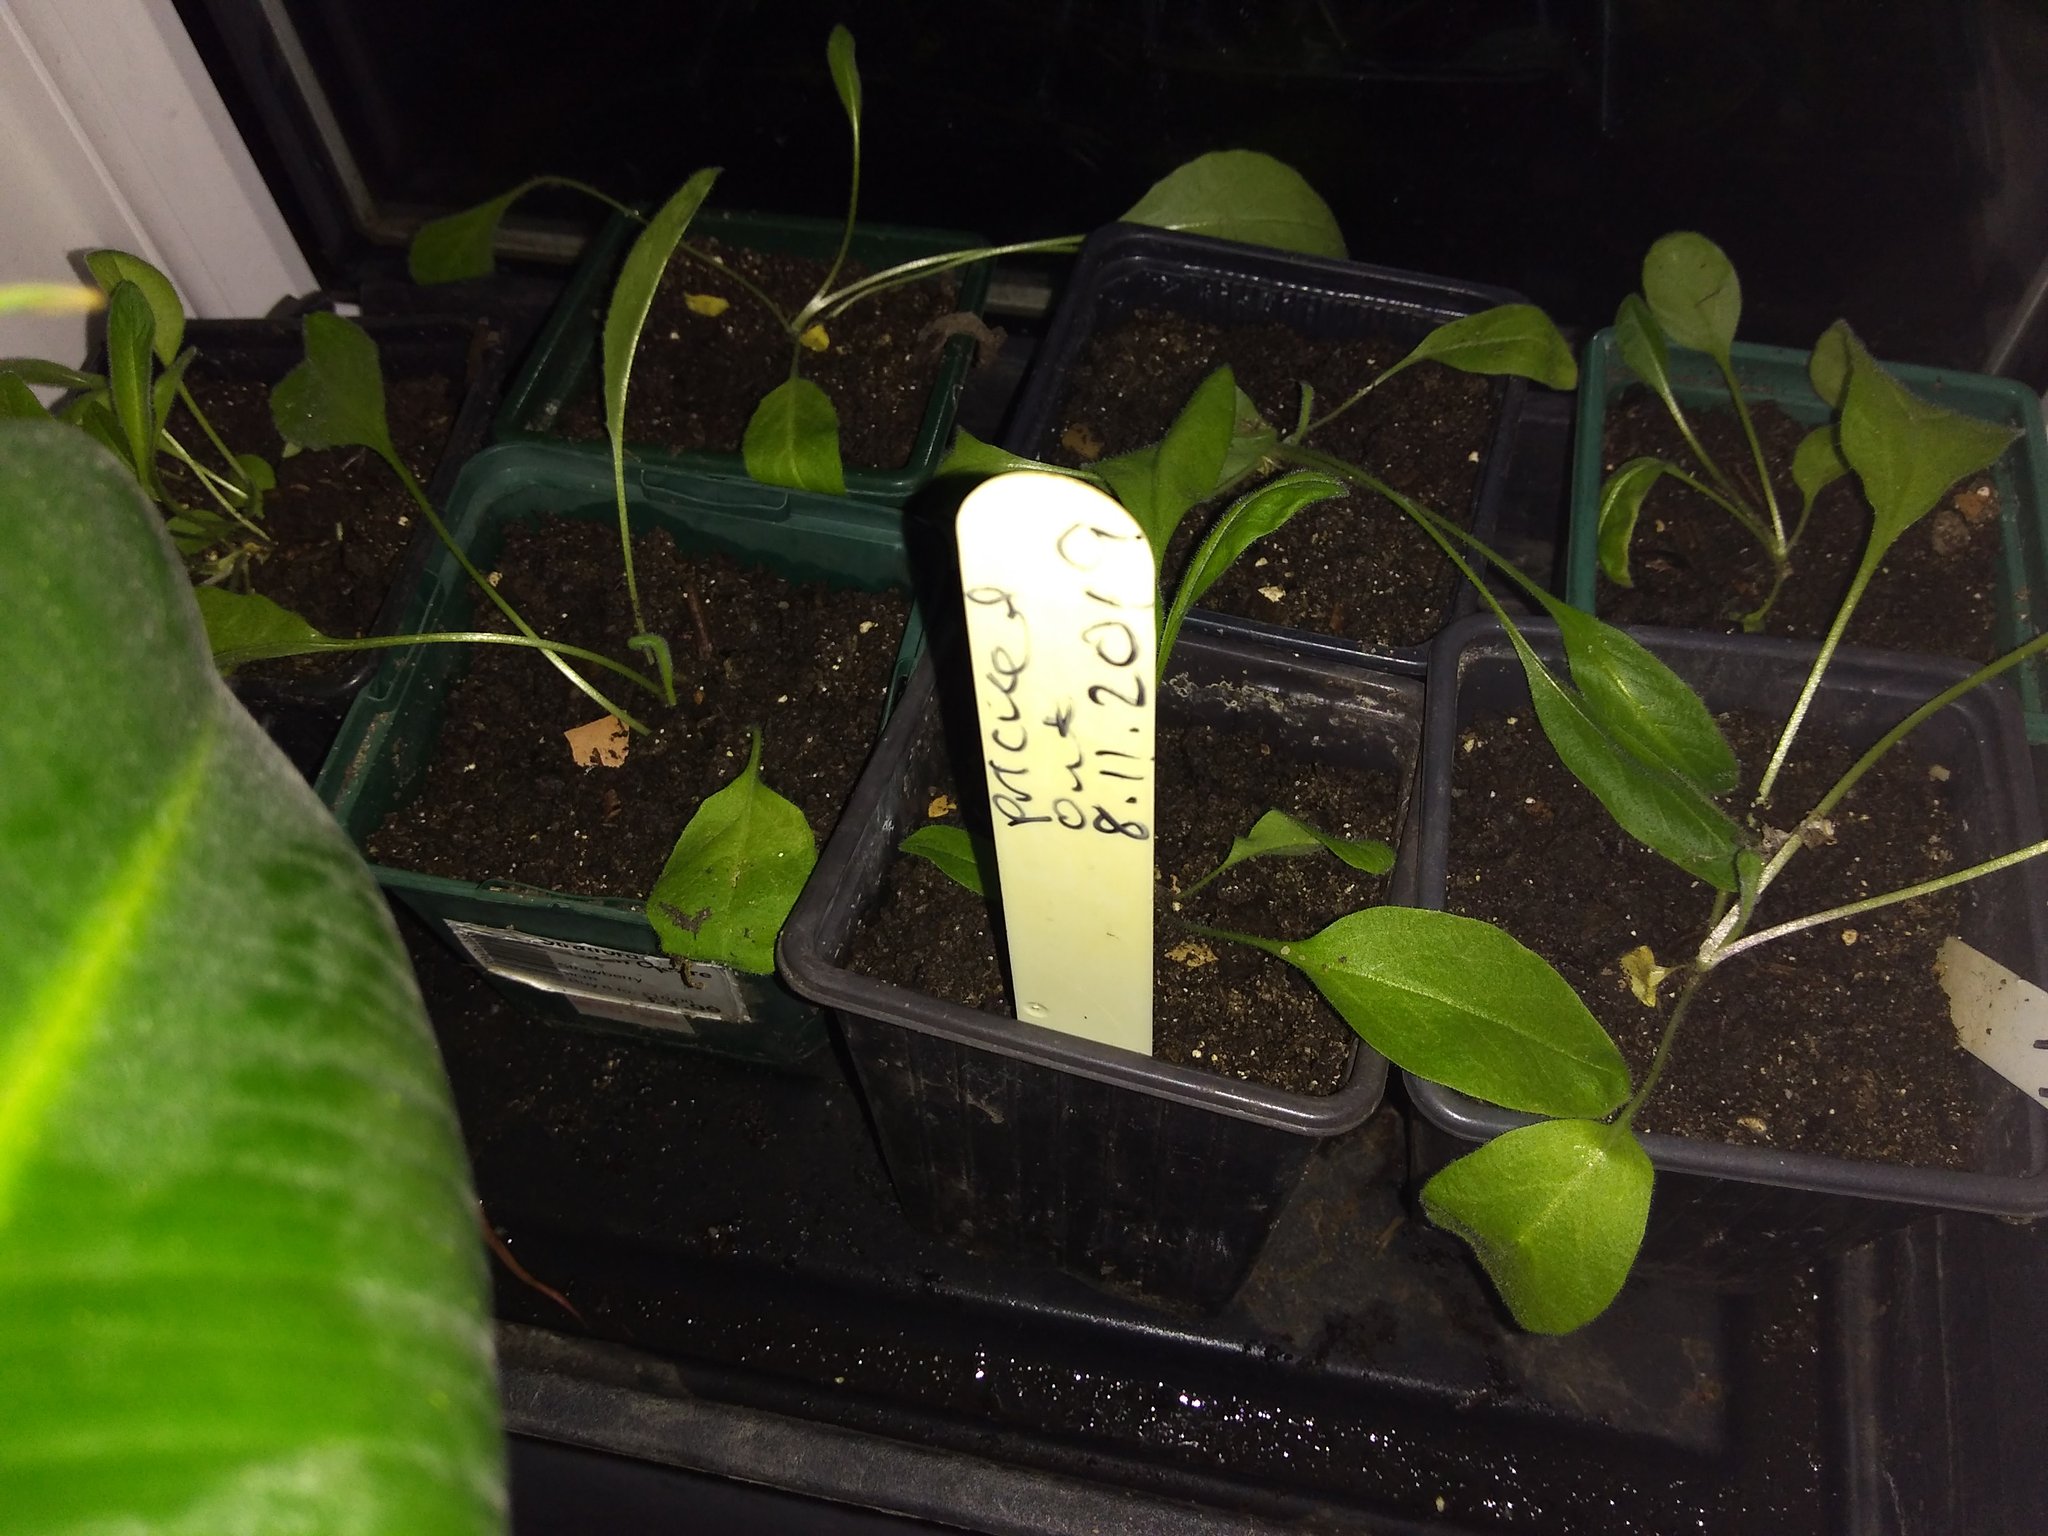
1872, 903
1713, 467
852, 208
1324, 420
1663, 1057
439, 637
1820, 665
1741, 514
826, 306
206, 478
1756, 452
206, 427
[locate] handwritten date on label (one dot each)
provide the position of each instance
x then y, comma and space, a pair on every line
1059, 590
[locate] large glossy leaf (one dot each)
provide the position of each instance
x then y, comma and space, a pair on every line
1643, 704
792, 439
737, 869
1250, 518
1555, 1212
1657, 807
1692, 289
639, 276
335, 398
1621, 505
131, 329
112, 268
1240, 194
1514, 339
240, 1283
1158, 485
1463, 1004
1906, 451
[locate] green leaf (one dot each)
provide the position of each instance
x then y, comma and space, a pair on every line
246, 626
957, 853
165, 392
1817, 463
1632, 696
972, 457
1827, 367
1555, 1212
1749, 875
41, 371
1463, 1004
1692, 289
1277, 834
1251, 439
1641, 344
110, 269
1158, 485
1906, 452
1249, 518
1239, 194
18, 401
1512, 338
793, 440
335, 398
736, 871
1621, 505
458, 245
845, 74
639, 276
130, 330
256, 471
1665, 812
240, 1282
92, 415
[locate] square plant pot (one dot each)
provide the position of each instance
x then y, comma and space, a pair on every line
1006, 1135
1778, 375
1125, 268
590, 960
567, 361
1730, 1214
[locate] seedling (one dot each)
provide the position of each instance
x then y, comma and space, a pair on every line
1691, 297
1556, 1211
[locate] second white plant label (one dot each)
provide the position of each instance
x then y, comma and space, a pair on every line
1059, 591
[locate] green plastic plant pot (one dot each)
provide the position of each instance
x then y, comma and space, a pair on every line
568, 358
1778, 375
587, 960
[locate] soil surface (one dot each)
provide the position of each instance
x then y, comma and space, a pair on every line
339, 520
1217, 1006
1695, 568
1834, 1041
1353, 566
502, 799
697, 378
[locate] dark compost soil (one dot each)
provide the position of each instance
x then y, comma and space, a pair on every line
1353, 566
697, 378
1219, 1007
806, 664
1695, 568
339, 520
1834, 1041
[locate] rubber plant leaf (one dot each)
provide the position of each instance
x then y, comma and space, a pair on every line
1158, 485
1279, 835
112, 268
737, 869
1554, 1212
130, 367
792, 440
1643, 704
1240, 194
247, 626
1905, 451
17, 401
1660, 809
1692, 289
335, 397
956, 853
1621, 506
1248, 519
1463, 1004
1516, 339
240, 1282
1827, 366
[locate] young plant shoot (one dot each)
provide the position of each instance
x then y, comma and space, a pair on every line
793, 437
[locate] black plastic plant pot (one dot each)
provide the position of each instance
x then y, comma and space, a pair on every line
1008, 1136
1778, 375
1126, 267
594, 962
567, 361
1735, 1215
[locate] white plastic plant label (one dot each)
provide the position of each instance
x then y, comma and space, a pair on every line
606, 983
1059, 595
2000, 1018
